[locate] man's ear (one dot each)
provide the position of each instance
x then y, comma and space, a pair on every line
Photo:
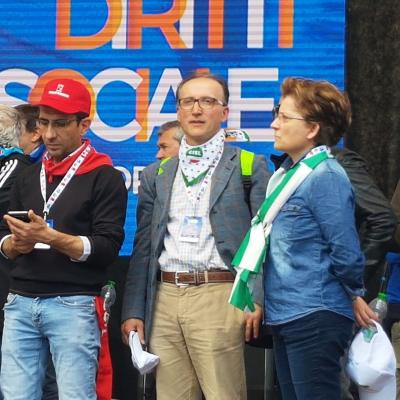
225, 114
85, 125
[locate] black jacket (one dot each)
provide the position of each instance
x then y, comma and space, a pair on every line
375, 219
10, 167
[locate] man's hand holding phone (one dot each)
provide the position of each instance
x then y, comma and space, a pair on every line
25, 227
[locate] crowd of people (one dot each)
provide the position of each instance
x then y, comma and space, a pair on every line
223, 246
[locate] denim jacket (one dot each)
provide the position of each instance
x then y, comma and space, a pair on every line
314, 261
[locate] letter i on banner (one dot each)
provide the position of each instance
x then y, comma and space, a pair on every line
216, 24
286, 17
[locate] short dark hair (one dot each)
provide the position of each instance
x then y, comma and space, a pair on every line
169, 125
215, 78
80, 116
323, 103
29, 115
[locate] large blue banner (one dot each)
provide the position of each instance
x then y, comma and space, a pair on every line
133, 53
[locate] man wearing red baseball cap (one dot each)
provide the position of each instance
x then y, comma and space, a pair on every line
77, 203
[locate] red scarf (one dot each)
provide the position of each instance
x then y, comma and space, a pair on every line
104, 372
92, 161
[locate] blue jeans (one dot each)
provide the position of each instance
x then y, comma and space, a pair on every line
307, 353
65, 326
50, 391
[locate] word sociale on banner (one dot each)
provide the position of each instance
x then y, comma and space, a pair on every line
124, 28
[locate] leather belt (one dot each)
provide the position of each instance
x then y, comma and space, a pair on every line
195, 278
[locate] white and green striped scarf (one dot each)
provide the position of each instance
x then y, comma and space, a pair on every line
196, 161
249, 258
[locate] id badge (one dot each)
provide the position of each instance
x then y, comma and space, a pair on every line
44, 246
191, 228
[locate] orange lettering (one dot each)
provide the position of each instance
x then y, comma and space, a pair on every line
142, 104
64, 40
202, 71
286, 16
216, 24
164, 21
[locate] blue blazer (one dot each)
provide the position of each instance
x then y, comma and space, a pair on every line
230, 219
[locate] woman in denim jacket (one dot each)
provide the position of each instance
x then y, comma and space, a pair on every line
314, 266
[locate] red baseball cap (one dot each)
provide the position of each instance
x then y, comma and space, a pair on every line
66, 95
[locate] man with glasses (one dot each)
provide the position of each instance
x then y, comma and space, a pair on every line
192, 215
76, 202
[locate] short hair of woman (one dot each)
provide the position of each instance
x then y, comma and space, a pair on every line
323, 103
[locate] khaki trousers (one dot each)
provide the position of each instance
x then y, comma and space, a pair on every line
200, 340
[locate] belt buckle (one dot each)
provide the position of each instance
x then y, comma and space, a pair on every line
177, 277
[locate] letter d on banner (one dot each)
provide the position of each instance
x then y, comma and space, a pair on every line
64, 40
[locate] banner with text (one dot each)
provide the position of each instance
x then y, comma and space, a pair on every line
133, 53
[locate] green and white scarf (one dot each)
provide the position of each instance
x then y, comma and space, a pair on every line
195, 161
250, 257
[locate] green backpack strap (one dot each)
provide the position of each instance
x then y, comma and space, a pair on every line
160, 170
246, 167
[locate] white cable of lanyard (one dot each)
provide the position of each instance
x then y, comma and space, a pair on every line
63, 184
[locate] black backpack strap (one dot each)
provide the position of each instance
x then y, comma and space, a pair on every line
246, 168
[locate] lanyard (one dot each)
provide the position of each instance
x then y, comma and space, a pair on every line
64, 182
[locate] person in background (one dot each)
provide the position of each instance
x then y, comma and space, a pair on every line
376, 222
375, 219
12, 163
31, 139
12, 158
169, 139
77, 204
314, 266
191, 218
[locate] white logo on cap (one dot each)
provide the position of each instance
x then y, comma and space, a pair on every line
59, 91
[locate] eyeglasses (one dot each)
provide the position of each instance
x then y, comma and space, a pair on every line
205, 103
55, 123
283, 117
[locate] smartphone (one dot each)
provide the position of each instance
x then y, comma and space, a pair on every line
21, 215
